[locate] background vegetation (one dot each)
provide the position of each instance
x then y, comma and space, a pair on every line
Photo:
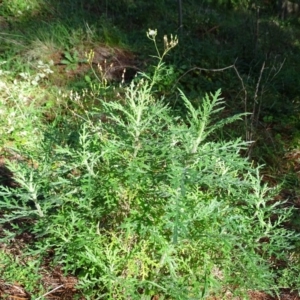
143, 160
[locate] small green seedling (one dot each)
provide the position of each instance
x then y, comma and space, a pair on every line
71, 60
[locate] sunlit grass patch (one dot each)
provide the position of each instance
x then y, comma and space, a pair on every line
20, 9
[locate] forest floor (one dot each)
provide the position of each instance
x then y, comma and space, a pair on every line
112, 61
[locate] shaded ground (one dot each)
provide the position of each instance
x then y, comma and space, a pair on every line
64, 287
58, 286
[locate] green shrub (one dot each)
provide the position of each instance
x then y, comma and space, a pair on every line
20, 120
143, 202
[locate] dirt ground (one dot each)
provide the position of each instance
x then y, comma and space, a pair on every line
61, 287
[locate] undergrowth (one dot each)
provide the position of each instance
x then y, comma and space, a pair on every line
138, 200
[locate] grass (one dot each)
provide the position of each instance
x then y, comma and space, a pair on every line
134, 187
